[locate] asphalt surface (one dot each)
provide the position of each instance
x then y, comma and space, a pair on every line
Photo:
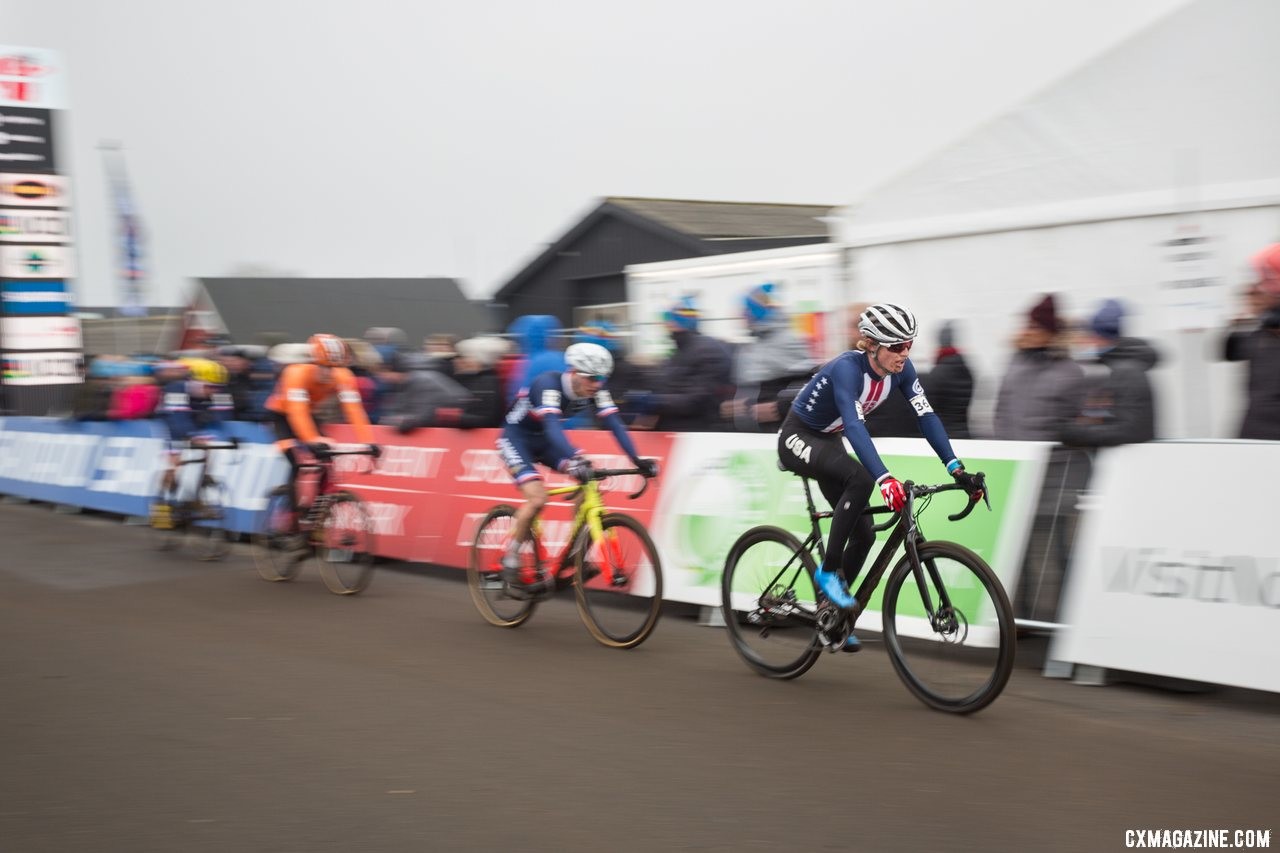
150, 702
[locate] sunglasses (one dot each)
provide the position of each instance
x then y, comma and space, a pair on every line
594, 377
905, 346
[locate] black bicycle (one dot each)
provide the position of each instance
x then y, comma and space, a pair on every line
188, 504
945, 618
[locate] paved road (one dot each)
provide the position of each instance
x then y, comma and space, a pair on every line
149, 703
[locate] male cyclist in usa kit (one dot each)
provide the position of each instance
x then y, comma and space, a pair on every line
533, 433
835, 401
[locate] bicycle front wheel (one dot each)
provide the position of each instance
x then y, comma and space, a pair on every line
484, 570
618, 582
949, 629
344, 547
278, 547
208, 537
770, 607
165, 514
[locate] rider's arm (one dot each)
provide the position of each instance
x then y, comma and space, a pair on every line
175, 406
607, 412
544, 403
295, 390
930, 424
352, 405
847, 379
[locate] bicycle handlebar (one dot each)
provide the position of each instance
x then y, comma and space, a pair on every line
323, 452
605, 473
919, 491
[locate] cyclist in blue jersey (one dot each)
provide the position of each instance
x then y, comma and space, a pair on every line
196, 408
533, 433
832, 407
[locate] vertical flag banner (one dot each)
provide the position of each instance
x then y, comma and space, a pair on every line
131, 272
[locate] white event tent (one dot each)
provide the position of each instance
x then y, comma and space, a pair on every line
1150, 174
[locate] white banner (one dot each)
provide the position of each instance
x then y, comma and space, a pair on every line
34, 226
31, 77
1176, 571
50, 333
37, 262
34, 190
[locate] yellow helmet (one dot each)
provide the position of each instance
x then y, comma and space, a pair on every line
206, 370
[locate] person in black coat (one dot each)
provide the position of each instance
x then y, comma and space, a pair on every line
690, 385
1119, 405
1256, 339
950, 384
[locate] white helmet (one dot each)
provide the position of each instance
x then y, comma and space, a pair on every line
591, 359
887, 324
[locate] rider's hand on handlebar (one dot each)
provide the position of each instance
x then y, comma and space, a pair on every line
895, 497
648, 467
972, 483
375, 451
577, 467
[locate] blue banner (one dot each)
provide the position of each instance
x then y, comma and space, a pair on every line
34, 297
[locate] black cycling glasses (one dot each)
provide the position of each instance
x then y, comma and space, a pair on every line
905, 346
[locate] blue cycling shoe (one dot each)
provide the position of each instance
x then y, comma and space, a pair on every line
833, 587
851, 644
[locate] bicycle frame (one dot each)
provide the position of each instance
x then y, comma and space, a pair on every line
588, 513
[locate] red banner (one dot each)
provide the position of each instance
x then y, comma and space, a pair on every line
433, 486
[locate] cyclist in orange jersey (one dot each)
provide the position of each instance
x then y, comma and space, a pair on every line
302, 387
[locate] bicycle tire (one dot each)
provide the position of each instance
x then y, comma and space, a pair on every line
960, 659
484, 570
278, 548
206, 534
164, 516
618, 582
771, 623
344, 545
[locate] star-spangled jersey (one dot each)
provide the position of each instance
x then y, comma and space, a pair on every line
847, 389
540, 408
187, 413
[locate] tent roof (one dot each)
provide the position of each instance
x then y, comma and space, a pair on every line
1181, 116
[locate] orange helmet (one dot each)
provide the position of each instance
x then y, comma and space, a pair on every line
329, 350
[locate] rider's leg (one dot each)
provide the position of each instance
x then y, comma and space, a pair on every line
534, 492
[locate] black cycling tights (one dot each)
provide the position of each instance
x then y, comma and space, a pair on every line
845, 484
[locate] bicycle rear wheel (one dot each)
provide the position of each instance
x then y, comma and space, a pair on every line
770, 605
344, 548
278, 547
618, 582
206, 535
484, 570
949, 628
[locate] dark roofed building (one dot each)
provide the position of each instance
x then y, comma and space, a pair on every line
250, 310
584, 268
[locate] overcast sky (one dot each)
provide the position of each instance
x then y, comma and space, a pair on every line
419, 138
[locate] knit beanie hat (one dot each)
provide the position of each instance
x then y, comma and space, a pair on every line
1045, 315
760, 303
1267, 265
684, 314
1107, 321
947, 335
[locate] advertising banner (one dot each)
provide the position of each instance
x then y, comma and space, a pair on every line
53, 333
729, 483
1150, 590
18, 190
31, 77
37, 262
33, 297
26, 140
18, 225
43, 368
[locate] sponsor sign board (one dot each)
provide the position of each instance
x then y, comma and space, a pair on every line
37, 262
18, 190
32, 77
43, 368
26, 140
33, 297
47, 333
19, 225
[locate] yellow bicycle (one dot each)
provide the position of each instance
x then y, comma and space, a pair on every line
607, 557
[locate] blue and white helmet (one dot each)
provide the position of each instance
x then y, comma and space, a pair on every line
886, 323
589, 359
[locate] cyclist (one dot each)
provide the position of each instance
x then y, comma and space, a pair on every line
533, 433
836, 400
195, 407
303, 386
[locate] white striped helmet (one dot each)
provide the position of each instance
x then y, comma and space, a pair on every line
590, 359
886, 323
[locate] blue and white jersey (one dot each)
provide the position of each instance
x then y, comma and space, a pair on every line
187, 413
847, 389
539, 409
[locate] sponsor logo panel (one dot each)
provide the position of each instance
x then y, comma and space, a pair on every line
33, 297
26, 140
47, 333
43, 368
33, 190
36, 262
34, 226
31, 77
